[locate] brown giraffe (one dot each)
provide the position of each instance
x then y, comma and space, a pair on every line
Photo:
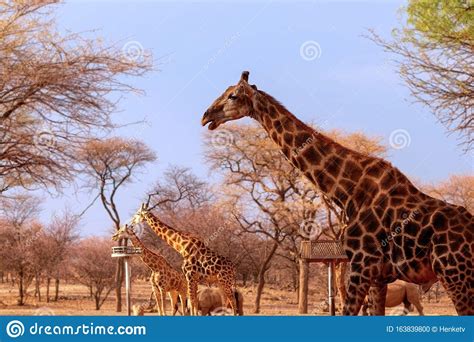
164, 278
395, 230
200, 264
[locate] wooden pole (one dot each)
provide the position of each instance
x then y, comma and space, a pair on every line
331, 281
127, 285
303, 288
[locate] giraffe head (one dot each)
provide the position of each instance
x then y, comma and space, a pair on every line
235, 103
140, 215
125, 232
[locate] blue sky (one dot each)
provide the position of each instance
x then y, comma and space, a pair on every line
351, 85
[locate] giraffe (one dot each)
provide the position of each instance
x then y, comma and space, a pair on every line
395, 231
164, 278
200, 263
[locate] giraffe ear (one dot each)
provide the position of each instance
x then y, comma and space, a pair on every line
254, 87
245, 76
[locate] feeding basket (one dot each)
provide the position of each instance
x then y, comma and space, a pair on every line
323, 251
125, 251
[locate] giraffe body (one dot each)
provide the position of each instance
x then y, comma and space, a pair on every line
200, 263
164, 278
395, 231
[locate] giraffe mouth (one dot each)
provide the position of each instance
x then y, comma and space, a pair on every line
213, 119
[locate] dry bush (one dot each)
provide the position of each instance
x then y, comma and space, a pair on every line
93, 267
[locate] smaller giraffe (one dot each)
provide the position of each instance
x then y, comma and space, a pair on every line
200, 264
164, 278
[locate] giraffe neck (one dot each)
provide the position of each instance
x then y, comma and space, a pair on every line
318, 157
151, 259
169, 235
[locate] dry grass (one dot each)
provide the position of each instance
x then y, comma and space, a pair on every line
74, 300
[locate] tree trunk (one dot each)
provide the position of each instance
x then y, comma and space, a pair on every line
261, 277
303, 287
56, 289
48, 283
97, 301
38, 287
20, 288
244, 279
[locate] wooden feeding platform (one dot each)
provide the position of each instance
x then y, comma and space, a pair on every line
125, 252
331, 253
323, 251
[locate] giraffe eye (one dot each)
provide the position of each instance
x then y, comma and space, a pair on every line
232, 97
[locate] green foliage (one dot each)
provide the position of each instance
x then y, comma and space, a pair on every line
434, 20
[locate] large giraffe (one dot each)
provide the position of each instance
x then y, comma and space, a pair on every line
164, 278
395, 230
200, 263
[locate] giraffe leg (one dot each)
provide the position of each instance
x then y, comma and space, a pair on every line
356, 291
365, 307
192, 294
230, 296
163, 299
377, 295
458, 284
184, 309
461, 295
173, 295
158, 299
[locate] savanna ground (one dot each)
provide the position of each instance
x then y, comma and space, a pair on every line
74, 300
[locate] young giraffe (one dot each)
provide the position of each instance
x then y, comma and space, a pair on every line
164, 278
200, 263
395, 230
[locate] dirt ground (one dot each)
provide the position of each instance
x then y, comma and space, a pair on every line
74, 300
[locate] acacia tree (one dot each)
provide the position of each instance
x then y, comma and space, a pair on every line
457, 189
54, 93
109, 165
178, 188
93, 267
61, 234
435, 54
19, 233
